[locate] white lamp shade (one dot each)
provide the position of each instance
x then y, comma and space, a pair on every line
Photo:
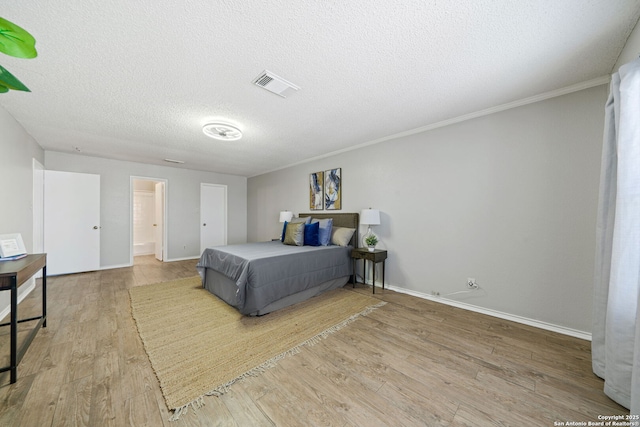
370, 217
286, 216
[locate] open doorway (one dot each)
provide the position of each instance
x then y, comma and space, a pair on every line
148, 218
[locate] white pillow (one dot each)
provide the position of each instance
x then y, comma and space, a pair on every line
341, 236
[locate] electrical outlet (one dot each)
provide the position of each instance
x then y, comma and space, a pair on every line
471, 283
435, 293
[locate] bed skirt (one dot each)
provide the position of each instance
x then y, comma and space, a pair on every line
225, 288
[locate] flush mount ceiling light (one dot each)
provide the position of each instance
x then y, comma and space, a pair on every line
222, 131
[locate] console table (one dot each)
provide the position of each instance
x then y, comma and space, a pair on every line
12, 275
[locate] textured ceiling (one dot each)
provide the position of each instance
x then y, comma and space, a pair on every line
137, 80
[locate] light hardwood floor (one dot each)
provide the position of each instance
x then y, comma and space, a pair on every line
410, 363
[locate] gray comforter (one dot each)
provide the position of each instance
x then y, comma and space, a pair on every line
268, 271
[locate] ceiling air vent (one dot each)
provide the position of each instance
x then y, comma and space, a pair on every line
275, 84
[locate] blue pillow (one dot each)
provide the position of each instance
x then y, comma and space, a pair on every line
325, 230
284, 229
312, 234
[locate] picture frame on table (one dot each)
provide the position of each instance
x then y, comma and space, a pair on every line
12, 247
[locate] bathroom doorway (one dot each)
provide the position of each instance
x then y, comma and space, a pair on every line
148, 218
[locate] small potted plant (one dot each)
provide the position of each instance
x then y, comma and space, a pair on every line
371, 241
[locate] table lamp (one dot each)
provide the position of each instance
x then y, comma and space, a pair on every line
286, 216
370, 217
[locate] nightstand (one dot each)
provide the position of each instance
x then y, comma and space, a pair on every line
378, 255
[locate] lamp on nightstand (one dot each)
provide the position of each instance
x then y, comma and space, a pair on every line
370, 217
286, 216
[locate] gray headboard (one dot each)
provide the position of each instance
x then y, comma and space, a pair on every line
340, 219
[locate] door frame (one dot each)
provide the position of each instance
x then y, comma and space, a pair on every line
165, 240
38, 209
159, 208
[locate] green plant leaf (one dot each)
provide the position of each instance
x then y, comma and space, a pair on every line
3, 89
16, 41
9, 81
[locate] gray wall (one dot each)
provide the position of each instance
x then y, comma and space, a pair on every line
17, 151
183, 204
509, 198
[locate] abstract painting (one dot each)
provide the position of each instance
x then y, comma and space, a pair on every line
333, 189
315, 191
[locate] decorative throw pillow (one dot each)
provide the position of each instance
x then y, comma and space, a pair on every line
312, 234
305, 220
325, 230
294, 234
341, 235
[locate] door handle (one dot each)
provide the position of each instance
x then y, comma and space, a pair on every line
95, 227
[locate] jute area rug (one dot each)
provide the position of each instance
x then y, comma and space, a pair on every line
198, 345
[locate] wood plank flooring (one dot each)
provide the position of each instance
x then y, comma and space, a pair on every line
410, 363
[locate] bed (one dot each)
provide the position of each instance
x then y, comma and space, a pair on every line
258, 278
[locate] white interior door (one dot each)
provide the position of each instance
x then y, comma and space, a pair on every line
213, 215
159, 223
71, 222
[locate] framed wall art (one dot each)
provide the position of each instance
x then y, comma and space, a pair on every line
316, 185
333, 189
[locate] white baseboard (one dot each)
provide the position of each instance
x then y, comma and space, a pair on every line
22, 295
183, 259
499, 314
111, 267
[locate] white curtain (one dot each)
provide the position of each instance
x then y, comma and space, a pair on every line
616, 318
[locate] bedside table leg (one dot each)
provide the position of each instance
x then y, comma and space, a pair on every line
353, 278
373, 283
364, 271
383, 274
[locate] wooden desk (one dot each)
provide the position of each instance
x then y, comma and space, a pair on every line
375, 256
12, 275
